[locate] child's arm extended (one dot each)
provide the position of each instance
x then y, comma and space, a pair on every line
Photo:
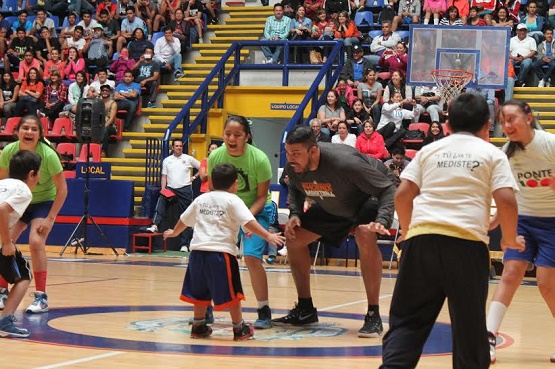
404, 197
507, 216
273, 238
179, 227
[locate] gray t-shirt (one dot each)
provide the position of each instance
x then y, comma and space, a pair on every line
369, 94
345, 178
330, 113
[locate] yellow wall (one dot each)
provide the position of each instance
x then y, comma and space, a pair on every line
264, 102
198, 144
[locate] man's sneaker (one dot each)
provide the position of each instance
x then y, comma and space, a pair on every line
152, 229
548, 83
244, 333
372, 327
200, 331
269, 61
541, 83
40, 114
283, 251
40, 305
264, 320
492, 342
271, 259
214, 20
3, 297
298, 316
151, 105
208, 317
8, 329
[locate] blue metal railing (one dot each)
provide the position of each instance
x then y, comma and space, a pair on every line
233, 75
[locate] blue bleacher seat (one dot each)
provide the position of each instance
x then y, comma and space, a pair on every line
364, 20
156, 36
374, 34
66, 22
9, 7
376, 4
31, 18
56, 21
404, 35
11, 19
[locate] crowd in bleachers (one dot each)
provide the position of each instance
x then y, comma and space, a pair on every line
371, 88
54, 53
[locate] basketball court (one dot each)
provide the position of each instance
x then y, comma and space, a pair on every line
108, 312
125, 312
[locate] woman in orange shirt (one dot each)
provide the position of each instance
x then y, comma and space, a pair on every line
346, 30
30, 94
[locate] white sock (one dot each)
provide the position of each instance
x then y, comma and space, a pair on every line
495, 316
436, 21
261, 304
426, 21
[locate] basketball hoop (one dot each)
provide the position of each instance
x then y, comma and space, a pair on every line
451, 82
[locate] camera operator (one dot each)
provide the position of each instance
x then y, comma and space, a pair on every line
397, 163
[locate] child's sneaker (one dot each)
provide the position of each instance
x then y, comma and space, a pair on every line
3, 297
243, 333
40, 305
8, 329
200, 331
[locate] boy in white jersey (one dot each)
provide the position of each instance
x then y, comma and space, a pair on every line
443, 204
213, 272
15, 196
531, 153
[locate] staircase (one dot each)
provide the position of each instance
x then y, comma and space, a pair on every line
240, 23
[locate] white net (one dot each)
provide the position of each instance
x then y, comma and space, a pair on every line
450, 82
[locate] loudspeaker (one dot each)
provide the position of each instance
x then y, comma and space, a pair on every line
89, 121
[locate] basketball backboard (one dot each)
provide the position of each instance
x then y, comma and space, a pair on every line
484, 51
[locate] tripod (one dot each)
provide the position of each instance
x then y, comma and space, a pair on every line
81, 242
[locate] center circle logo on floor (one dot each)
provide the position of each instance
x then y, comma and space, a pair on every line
43, 330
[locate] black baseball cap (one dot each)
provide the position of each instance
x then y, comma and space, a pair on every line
356, 48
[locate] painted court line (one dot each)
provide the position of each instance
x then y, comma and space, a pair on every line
350, 303
84, 360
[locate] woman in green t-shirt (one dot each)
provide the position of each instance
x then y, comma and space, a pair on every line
255, 173
48, 197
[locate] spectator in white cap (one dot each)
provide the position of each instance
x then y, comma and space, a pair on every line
522, 51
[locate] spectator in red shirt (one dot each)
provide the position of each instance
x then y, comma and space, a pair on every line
396, 62
109, 6
28, 62
371, 142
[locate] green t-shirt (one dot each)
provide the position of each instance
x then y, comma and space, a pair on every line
253, 167
50, 166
